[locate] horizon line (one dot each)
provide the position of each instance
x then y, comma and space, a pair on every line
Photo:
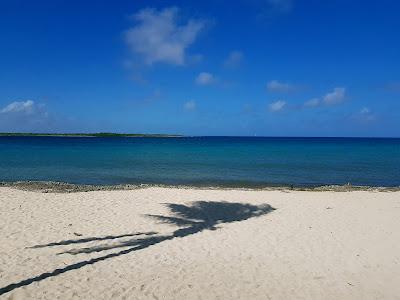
121, 134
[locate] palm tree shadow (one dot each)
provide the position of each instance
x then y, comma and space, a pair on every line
203, 215
191, 219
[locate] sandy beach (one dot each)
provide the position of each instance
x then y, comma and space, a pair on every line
169, 243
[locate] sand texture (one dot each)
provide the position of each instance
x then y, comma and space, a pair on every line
168, 243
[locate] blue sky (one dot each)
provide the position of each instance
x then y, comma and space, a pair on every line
256, 67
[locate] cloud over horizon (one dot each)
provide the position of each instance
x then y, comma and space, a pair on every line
158, 38
365, 115
26, 107
34, 116
23, 115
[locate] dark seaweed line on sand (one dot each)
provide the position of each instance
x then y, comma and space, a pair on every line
62, 187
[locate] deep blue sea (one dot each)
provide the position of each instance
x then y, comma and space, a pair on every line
202, 161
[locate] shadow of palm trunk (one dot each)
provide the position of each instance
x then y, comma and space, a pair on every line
192, 219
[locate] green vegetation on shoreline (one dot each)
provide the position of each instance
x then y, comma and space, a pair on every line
97, 134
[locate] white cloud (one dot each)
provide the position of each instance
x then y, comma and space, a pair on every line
205, 78
234, 59
157, 36
26, 107
312, 102
335, 97
276, 86
190, 105
33, 116
23, 115
277, 105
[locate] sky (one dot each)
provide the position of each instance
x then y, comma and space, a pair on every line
244, 67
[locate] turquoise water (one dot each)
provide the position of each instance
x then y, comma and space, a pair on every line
216, 161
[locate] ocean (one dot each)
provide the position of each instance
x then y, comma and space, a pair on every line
202, 161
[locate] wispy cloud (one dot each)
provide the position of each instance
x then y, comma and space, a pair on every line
157, 36
312, 102
335, 97
365, 115
24, 107
234, 59
190, 105
279, 87
23, 114
277, 105
34, 116
205, 78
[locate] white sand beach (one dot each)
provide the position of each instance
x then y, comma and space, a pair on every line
166, 243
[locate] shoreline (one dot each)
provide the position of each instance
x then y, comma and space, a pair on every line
64, 187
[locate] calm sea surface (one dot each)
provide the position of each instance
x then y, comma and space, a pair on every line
215, 161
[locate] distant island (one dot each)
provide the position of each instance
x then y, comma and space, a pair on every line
97, 134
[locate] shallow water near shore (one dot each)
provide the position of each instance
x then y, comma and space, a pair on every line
202, 161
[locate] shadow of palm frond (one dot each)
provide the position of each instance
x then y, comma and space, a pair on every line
211, 213
191, 219
201, 215
91, 239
